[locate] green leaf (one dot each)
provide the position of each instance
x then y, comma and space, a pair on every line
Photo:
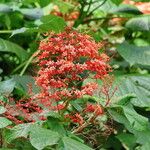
24, 30
138, 122
126, 99
41, 138
52, 23
118, 115
4, 8
7, 46
136, 84
4, 122
127, 10
4, 98
127, 115
23, 82
143, 138
117, 2
145, 146
34, 13
2, 109
71, 144
56, 125
52, 114
134, 54
139, 23
17, 31
21, 130
127, 139
43, 3
6, 87
76, 105
63, 6
7, 21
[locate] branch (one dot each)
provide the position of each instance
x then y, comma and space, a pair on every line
6, 31
95, 19
96, 8
89, 6
84, 125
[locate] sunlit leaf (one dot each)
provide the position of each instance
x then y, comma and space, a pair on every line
7, 46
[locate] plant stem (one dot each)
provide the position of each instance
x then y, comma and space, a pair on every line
96, 8
85, 124
1, 138
27, 64
89, 6
82, 15
94, 19
28, 61
19, 67
6, 31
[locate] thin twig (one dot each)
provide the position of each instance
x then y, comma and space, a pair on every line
97, 7
26, 66
99, 18
89, 6
6, 31
85, 124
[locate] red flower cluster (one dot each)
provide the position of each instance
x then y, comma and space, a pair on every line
23, 110
66, 60
76, 118
94, 108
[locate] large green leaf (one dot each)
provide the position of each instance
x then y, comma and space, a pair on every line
136, 84
138, 122
7, 46
117, 2
4, 8
6, 87
125, 99
129, 140
4, 122
71, 144
143, 136
143, 139
126, 9
55, 125
52, 23
134, 54
139, 23
34, 13
2, 109
127, 115
23, 82
21, 130
41, 138
118, 115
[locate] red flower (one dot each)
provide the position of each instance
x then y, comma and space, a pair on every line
76, 118
65, 60
94, 108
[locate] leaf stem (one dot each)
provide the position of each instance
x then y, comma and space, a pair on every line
111, 17
27, 64
18, 67
85, 124
96, 8
6, 31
